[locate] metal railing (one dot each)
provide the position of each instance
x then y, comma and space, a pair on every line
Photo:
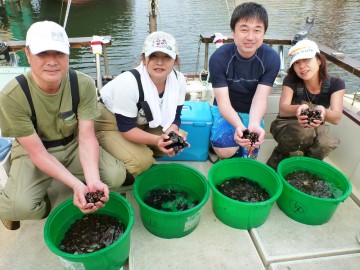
12, 47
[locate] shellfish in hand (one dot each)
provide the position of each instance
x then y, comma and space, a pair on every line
178, 142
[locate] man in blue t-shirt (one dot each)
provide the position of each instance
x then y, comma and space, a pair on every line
242, 75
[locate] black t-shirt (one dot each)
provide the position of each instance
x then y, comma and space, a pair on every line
336, 84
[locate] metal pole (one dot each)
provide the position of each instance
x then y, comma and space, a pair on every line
282, 59
14, 59
98, 72
97, 49
152, 17
106, 62
206, 56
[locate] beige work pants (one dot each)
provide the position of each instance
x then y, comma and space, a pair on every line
23, 195
136, 157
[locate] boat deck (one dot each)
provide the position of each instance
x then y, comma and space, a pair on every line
279, 244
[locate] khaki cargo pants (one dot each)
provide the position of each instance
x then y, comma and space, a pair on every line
136, 157
23, 195
313, 142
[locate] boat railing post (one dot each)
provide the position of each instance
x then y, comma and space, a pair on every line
282, 59
14, 59
98, 73
97, 49
106, 62
152, 16
206, 56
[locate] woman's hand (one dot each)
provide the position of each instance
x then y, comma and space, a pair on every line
302, 119
316, 122
164, 142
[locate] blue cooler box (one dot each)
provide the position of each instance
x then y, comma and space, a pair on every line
196, 120
5, 146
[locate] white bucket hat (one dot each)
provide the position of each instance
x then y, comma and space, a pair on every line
303, 49
47, 36
160, 42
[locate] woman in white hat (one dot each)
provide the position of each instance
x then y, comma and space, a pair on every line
307, 86
134, 122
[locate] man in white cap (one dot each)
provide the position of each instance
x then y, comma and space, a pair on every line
307, 86
52, 123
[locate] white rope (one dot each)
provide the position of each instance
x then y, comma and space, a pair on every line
67, 13
227, 5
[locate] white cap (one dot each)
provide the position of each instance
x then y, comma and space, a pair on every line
303, 49
47, 36
160, 42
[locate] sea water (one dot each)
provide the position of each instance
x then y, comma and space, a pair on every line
171, 198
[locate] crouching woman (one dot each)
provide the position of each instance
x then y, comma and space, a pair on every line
134, 122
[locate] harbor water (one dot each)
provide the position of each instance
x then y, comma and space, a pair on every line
337, 25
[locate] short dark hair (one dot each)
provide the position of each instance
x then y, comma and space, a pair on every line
249, 10
323, 72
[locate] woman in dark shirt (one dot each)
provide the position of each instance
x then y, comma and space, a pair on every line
307, 87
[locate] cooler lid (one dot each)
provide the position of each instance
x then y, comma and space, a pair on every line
196, 111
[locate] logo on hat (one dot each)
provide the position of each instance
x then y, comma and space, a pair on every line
161, 43
57, 36
302, 50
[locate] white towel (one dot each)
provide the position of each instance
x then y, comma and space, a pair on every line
165, 114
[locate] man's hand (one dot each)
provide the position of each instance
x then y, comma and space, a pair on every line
80, 190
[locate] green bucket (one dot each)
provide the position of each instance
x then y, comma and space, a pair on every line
238, 214
171, 224
113, 256
305, 208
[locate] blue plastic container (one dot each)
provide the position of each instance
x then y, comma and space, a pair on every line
5, 146
196, 120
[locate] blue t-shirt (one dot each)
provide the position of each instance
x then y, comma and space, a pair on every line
242, 75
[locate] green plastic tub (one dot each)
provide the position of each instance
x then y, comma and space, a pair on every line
113, 256
305, 208
238, 214
171, 224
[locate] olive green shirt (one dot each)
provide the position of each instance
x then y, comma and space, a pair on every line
55, 118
